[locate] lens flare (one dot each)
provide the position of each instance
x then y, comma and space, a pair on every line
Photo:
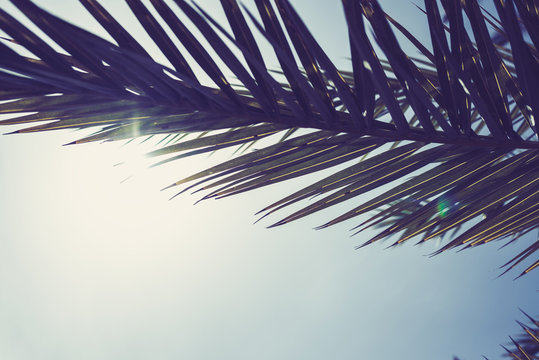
443, 207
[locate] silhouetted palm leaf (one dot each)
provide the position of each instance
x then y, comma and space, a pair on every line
526, 345
456, 128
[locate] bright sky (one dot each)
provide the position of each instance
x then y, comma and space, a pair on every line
94, 269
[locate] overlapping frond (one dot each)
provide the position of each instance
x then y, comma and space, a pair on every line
526, 344
446, 142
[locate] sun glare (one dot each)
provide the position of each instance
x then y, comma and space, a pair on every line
443, 207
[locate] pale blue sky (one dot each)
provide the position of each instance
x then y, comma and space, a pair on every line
94, 269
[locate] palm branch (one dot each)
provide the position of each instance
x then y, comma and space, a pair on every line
445, 143
526, 344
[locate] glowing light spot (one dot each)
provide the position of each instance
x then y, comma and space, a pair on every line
443, 207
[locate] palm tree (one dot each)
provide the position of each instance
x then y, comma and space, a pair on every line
444, 144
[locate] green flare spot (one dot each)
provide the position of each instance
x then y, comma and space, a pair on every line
443, 207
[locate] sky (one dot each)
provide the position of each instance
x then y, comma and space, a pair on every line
95, 268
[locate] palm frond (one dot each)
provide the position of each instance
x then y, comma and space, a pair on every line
449, 138
526, 344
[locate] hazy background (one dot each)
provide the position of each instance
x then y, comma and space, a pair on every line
94, 269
